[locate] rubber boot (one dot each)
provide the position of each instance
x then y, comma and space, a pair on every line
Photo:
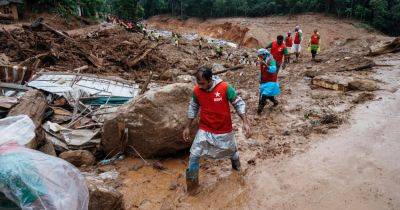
192, 182
236, 164
261, 104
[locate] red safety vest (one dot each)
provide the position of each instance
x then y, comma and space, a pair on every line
215, 113
277, 51
266, 76
289, 41
297, 38
315, 39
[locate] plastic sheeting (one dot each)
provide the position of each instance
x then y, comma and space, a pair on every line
34, 180
20, 129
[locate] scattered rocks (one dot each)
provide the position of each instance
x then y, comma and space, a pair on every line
333, 82
363, 97
78, 157
173, 185
158, 165
102, 196
364, 85
330, 119
137, 166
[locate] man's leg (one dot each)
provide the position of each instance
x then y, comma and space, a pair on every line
273, 100
278, 66
235, 161
313, 54
192, 174
261, 103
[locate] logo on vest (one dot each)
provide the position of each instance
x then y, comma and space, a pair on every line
217, 97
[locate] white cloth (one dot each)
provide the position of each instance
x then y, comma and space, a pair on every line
213, 145
296, 48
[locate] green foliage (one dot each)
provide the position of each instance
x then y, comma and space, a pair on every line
381, 14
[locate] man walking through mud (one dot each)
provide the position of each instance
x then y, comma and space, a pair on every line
279, 51
215, 137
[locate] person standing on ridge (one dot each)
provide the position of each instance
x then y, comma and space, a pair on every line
314, 44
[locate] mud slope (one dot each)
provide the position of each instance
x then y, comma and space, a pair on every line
253, 32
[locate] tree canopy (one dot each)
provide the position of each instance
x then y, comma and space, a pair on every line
382, 14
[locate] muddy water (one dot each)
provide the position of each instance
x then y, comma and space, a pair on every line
356, 168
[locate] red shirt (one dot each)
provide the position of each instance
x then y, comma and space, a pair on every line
297, 38
315, 39
277, 51
289, 41
265, 75
215, 113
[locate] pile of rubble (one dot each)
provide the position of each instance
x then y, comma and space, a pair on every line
87, 103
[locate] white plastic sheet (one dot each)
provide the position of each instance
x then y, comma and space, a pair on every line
20, 129
34, 180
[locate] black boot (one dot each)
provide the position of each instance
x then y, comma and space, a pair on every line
192, 181
236, 164
261, 103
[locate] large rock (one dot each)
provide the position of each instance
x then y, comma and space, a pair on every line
33, 104
333, 82
102, 196
363, 84
154, 123
78, 157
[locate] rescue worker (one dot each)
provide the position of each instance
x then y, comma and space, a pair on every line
297, 42
218, 51
289, 44
175, 38
314, 44
279, 51
215, 137
269, 87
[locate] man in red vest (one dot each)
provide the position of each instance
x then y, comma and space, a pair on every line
297, 42
215, 137
289, 44
278, 51
314, 44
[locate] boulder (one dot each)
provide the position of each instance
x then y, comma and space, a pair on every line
333, 82
78, 157
364, 85
103, 196
153, 123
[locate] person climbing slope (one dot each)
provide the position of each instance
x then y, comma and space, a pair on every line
279, 52
269, 87
289, 45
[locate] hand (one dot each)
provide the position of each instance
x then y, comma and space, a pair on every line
186, 134
246, 130
284, 65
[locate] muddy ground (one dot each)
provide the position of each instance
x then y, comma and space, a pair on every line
306, 113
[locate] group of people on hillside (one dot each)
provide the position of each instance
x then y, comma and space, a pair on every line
276, 55
212, 97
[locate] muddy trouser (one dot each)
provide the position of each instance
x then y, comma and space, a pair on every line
263, 101
214, 146
314, 53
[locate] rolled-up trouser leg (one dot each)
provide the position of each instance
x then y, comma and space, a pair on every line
192, 175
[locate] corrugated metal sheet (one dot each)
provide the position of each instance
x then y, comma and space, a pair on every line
90, 85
